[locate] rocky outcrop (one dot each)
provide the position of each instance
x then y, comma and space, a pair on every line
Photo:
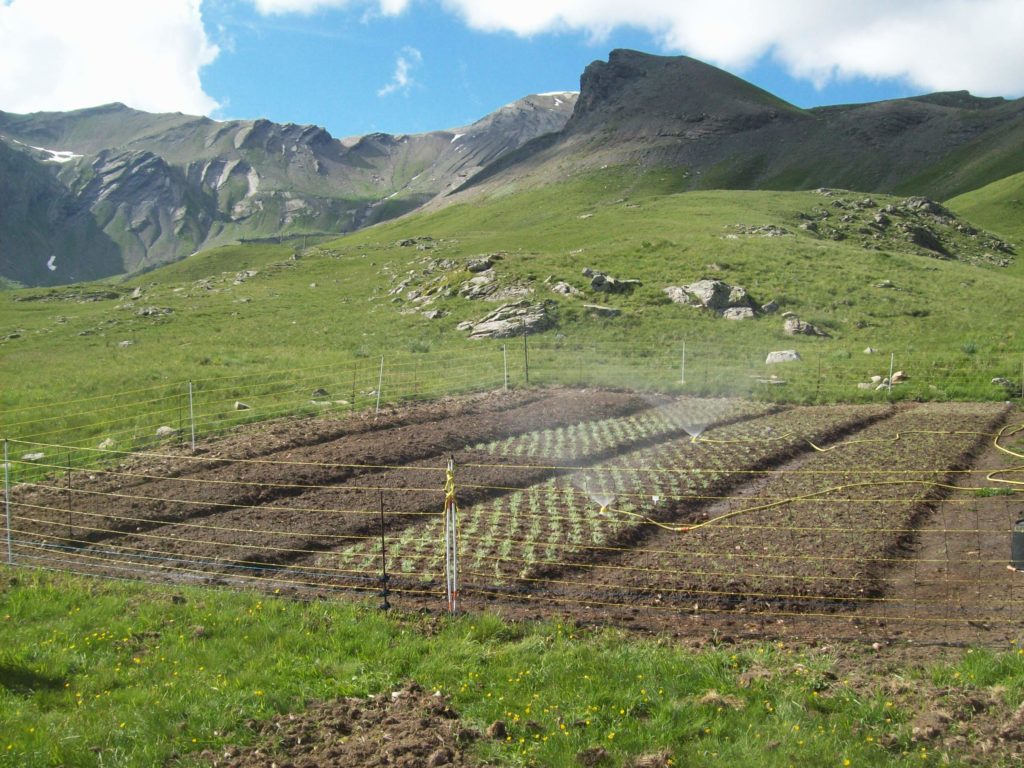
510, 320
603, 283
794, 326
717, 296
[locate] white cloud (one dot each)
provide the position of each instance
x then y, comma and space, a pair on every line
270, 7
68, 54
933, 44
407, 60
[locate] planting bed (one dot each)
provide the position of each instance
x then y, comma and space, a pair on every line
599, 504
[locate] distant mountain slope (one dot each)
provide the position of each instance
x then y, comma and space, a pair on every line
111, 189
678, 112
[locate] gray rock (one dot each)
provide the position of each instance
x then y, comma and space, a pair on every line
606, 284
738, 313
511, 320
34, 456
563, 288
794, 326
770, 308
715, 295
678, 296
107, 444
125, 344
166, 431
870, 351
434, 314
240, 406
782, 356
480, 265
137, 293
321, 392
154, 311
479, 287
601, 311
865, 385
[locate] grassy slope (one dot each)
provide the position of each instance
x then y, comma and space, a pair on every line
333, 302
998, 206
98, 673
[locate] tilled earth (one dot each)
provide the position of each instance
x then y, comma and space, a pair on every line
319, 506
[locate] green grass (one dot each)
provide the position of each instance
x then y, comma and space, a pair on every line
999, 206
102, 673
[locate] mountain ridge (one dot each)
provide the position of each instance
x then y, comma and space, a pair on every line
157, 188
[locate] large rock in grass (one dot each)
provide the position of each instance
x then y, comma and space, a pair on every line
782, 356
794, 326
511, 320
714, 295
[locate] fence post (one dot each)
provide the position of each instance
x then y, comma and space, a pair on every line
192, 415
526, 357
384, 578
892, 363
504, 357
7, 503
380, 385
451, 539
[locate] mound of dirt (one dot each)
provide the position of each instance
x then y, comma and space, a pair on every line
408, 728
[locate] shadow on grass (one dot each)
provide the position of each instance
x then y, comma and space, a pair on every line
26, 682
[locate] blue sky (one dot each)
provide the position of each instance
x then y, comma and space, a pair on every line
407, 66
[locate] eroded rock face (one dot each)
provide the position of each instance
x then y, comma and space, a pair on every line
715, 295
511, 320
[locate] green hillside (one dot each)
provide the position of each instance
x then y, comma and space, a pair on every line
998, 206
244, 311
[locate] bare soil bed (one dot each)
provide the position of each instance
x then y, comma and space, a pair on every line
700, 517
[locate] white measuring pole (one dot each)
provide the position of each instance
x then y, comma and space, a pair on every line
892, 361
7, 504
451, 541
380, 383
192, 415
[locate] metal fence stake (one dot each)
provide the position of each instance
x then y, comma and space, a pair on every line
192, 415
7, 503
380, 384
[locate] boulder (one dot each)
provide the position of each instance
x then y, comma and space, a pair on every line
865, 385
899, 377
480, 265
107, 444
870, 351
794, 326
563, 288
601, 311
782, 356
166, 431
479, 287
738, 313
606, 284
34, 456
240, 406
512, 320
770, 308
715, 295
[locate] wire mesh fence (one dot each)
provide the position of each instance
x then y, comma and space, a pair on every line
682, 508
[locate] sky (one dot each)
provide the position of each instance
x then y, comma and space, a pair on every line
410, 66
